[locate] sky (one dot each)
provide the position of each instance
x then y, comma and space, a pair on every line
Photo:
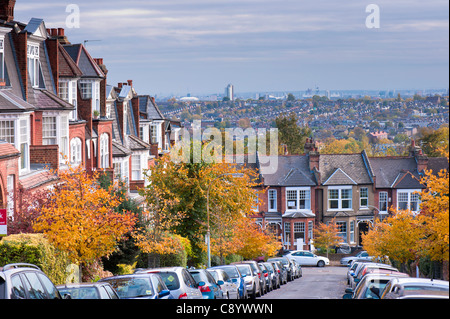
175, 47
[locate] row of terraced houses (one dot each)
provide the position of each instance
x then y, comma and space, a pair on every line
57, 108
355, 190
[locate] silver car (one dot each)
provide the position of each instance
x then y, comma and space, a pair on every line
178, 280
418, 288
230, 289
251, 280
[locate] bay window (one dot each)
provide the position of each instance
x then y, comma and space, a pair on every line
408, 199
136, 168
298, 198
75, 150
104, 151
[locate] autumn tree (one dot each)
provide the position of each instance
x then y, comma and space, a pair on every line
327, 235
80, 218
178, 191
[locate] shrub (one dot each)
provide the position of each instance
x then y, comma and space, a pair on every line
35, 249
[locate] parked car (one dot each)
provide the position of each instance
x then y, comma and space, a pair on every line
256, 268
415, 288
370, 282
272, 275
91, 290
307, 258
286, 264
236, 277
208, 286
139, 286
178, 280
297, 268
361, 271
281, 270
362, 255
251, 278
230, 289
26, 281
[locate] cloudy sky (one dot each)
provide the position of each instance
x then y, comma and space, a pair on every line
199, 46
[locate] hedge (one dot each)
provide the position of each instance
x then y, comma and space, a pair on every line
35, 249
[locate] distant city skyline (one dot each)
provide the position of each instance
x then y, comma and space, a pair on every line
175, 47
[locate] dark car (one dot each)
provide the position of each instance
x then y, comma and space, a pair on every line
286, 265
139, 286
26, 281
88, 290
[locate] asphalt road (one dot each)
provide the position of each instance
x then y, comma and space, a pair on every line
316, 283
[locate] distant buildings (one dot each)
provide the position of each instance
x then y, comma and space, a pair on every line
229, 92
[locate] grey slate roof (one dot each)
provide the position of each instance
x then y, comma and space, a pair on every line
10, 102
146, 106
353, 165
389, 170
83, 60
292, 171
118, 150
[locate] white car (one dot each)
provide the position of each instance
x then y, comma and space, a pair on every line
307, 258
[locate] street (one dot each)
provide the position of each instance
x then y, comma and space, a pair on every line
316, 283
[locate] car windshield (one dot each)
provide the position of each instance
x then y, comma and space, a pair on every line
199, 276
80, 292
214, 274
245, 270
232, 272
282, 260
132, 287
269, 267
170, 279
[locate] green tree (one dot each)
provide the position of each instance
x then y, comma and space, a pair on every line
291, 134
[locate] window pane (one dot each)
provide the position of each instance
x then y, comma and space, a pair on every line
18, 290
35, 289
333, 193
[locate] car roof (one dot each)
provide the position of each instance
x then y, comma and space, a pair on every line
421, 281
126, 276
83, 284
385, 275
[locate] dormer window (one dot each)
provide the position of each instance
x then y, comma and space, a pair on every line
33, 64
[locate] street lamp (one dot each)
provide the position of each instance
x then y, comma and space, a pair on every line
208, 232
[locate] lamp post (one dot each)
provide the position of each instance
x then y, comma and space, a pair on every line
208, 231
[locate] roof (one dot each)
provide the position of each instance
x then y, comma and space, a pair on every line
436, 164
37, 179
136, 144
10, 102
67, 66
352, 169
118, 150
83, 60
46, 100
291, 171
33, 25
146, 106
7, 150
390, 171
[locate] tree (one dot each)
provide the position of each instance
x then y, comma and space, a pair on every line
80, 218
435, 143
291, 134
327, 236
177, 196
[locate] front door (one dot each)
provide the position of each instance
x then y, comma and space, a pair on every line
363, 229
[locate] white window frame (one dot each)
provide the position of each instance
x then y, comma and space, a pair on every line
49, 130
343, 234
340, 190
104, 150
136, 167
272, 200
361, 198
302, 194
383, 200
69, 95
2, 59
33, 63
411, 194
76, 145
13, 132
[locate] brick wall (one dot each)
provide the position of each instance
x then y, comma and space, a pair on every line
45, 154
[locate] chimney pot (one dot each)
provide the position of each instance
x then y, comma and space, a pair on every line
130, 82
119, 85
60, 32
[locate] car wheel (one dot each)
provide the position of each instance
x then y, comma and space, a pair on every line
321, 263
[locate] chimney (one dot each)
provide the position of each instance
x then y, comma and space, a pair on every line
130, 82
7, 10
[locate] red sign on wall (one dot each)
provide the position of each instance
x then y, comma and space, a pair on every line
3, 217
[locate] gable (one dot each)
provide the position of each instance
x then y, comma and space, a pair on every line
339, 177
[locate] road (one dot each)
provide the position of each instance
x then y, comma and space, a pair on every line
316, 283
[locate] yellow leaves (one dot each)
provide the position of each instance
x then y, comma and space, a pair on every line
326, 236
80, 218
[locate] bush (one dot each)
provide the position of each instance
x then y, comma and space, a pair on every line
35, 249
